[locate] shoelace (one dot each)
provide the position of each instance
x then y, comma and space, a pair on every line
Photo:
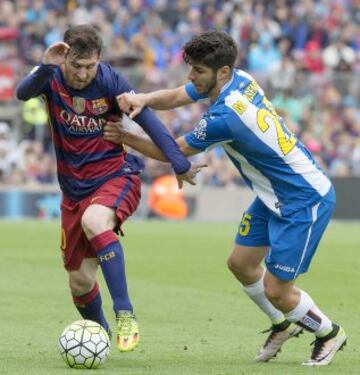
125, 321
318, 346
267, 330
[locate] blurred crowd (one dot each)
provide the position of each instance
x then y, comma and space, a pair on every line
304, 53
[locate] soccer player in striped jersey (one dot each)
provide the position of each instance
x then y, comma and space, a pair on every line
294, 198
99, 180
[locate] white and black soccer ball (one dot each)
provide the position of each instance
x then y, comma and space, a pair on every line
84, 344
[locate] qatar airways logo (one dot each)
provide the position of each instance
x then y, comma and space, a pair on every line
82, 124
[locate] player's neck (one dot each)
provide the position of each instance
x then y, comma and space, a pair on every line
215, 92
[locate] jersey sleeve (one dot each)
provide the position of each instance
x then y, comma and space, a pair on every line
193, 94
35, 83
119, 85
208, 133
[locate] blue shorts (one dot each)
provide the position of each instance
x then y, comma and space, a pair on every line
292, 239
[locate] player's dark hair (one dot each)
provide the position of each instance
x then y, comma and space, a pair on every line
214, 49
83, 40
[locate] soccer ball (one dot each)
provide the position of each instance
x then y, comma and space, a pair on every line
84, 344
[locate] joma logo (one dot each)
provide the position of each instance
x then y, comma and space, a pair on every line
285, 268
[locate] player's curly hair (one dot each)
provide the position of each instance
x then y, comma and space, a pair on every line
83, 40
214, 49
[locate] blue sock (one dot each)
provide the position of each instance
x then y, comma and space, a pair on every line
89, 306
111, 258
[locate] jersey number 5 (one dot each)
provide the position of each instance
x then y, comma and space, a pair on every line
244, 228
286, 141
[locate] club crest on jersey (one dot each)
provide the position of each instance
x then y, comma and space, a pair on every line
78, 104
99, 106
200, 130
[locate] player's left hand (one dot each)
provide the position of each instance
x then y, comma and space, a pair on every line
56, 53
114, 132
190, 175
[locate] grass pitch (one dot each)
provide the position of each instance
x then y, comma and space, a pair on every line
193, 316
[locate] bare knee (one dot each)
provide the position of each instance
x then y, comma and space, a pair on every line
80, 284
244, 262
97, 219
246, 273
235, 266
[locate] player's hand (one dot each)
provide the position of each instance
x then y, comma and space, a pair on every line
190, 175
56, 53
114, 132
132, 104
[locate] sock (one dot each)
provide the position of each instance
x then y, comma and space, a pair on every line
111, 258
307, 315
256, 292
89, 306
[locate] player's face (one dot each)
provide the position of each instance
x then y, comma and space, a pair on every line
79, 72
203, 78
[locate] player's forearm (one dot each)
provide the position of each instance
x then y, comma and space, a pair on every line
163, 140
162, 99
32, 85
144, 146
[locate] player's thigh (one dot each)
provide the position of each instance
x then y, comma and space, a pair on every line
82, 280
253, 228
294, 239
120, 196
251, 240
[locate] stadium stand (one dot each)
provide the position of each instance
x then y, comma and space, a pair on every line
305, 53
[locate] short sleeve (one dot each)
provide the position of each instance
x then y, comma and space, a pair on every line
121, 85
113, 81
209, 132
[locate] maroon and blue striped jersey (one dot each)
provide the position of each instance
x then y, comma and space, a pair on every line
85, 160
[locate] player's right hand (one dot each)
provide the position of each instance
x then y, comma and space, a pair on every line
56, 53
190, 175
131, 103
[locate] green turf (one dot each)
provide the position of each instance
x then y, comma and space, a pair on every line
193, 316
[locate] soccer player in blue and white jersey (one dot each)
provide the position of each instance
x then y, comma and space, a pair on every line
294, 198
99, 180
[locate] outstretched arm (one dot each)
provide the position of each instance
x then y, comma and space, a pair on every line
162, 99
114, 132
155, 129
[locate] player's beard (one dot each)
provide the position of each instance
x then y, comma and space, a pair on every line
210, 85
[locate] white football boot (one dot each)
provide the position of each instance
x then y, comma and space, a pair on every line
326, 347
279, 334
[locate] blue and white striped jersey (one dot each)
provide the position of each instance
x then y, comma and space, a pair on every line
273, 162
